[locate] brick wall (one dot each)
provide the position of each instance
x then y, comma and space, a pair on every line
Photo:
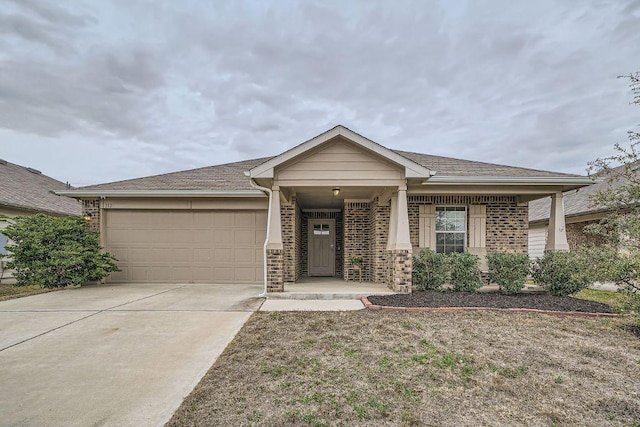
304, 234
298, 242
93, 207
507, 223
357, 239
275, 271
378, 235
400, 269
288, 219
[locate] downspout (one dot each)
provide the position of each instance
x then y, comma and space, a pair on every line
266, 240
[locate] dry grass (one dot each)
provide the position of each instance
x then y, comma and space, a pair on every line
11, 291
612, 299
421, 369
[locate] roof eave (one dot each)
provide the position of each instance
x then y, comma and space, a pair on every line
161, 193
576, 182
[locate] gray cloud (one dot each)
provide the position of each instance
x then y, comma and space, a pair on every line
528, 84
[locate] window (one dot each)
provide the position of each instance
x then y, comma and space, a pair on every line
451, 229
3, 243
321, 229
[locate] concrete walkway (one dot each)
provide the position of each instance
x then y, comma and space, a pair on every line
119, 355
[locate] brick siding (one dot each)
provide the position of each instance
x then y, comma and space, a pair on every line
507, 223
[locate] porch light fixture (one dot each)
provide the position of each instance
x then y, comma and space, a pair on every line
336, 191
88, 217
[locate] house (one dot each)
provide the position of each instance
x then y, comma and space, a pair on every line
579, 210
309, 210
26, 191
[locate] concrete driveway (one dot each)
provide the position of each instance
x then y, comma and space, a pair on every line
113, 354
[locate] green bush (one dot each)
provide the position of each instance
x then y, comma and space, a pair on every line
562, 273
465, 274
508, 270
55, 252
430, 270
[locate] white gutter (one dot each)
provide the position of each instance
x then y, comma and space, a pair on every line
160, 193
578, 180
266, 239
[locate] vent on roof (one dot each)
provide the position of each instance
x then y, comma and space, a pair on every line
3, 162
32, 170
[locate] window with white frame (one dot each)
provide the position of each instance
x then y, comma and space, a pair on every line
451, 229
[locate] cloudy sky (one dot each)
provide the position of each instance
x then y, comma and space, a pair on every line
97, 91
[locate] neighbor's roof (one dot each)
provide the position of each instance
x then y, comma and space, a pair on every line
26, 188
575, 203
231, 176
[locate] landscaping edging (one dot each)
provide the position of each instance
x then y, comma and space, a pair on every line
370, 306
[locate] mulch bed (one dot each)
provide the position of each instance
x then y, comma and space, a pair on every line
435, 299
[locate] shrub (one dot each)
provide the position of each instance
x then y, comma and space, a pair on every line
508, 270
430, 270
562, 273
465, 274
55, 252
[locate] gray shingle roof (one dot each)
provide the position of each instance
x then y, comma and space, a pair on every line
447, 166
230, 176
575, 203
26, 188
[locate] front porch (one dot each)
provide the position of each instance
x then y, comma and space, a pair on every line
329, 288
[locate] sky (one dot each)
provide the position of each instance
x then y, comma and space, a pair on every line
94, 92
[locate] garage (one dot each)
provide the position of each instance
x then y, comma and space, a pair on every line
186, 246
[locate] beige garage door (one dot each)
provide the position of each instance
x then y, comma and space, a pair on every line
186, 246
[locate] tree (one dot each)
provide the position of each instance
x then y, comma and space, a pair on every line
618, 259
55, 252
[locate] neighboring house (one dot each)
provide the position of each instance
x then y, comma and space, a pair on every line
579, 211
314, 207
25, 191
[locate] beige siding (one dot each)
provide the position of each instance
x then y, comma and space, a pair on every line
537, 240
186, 246
339, 160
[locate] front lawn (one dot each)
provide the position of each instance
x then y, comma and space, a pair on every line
436, 369
11, 291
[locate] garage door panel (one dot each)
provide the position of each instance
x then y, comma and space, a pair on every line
244, 237
244, 219
225, 274
159, 273
223, 255
245, 274
223, 237
243, 256
203, 220
223, 220
203, 236
202, 255
187, 246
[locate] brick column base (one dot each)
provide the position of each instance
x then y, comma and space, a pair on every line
400, 269
275, 271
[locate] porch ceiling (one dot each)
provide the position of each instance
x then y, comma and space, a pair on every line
323, 198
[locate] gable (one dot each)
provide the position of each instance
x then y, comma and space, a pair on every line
338, 160
411, 168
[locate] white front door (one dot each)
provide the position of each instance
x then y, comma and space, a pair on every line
321, 247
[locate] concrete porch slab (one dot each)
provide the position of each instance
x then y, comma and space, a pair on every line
324, 288
311, 305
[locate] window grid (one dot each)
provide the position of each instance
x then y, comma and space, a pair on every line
451, 229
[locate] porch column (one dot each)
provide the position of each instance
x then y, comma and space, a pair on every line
275, 272
275, 225
393, 222
557, 233
403, 239
400, 250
